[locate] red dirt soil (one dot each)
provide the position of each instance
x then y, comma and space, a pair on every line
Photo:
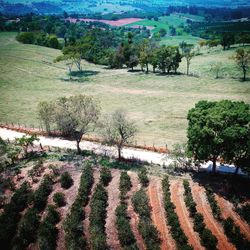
204, 208
113, 201
87, 209
134, 219
177, 198
158, 213
227, 211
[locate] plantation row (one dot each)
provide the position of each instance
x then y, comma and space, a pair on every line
208, 240
232, 231
39, 225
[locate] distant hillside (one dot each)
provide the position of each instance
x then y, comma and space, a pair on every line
104, 6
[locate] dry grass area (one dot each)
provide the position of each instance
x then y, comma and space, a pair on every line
159, 104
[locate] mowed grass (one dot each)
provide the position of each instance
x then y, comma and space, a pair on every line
159, 104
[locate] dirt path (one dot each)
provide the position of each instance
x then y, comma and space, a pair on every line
113, 202
87, 209
227, 211
177, 197
98, 148
158, 213
134, 219
204, 208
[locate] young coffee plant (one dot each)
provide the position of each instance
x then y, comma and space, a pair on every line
66, 180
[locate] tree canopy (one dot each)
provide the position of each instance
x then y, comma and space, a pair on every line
220, 129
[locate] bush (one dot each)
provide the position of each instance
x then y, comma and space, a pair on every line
125, 234
213, 203
244, 212
125, 184
97, 218
145, 226
59, 199
172, 218
39, 197
234, 235
27, 230
208, 240
105, 176
11, 215
143, 177
66, 180
73, 225
47, 233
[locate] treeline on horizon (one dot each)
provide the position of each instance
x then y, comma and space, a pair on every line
210, 14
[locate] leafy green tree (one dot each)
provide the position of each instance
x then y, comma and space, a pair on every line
188, 54
227, 39
118, 130
25, 141
219, 129
242, 58
46, 114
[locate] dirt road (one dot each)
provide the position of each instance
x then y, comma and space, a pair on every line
98, 148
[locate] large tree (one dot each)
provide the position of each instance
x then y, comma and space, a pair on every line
242, 58
219, 129
75, 116
118, 130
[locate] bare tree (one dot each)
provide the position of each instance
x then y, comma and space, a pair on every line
46, 114
216, 68
242, 58
118, 130
188, 54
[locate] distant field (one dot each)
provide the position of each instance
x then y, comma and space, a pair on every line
176, 40
158, 103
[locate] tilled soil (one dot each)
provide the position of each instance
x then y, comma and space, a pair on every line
134, 219
87, 209
113, 201
177, 196
204, 208
158, 213
227, 211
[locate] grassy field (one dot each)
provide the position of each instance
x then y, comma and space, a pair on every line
158, 103
176, 40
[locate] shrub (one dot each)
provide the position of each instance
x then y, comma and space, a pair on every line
66, 180
208, 240
10, 217
39, 197
244, 212
105, 176
59, 199
235, 236
143, 177
73, 225
172, 218
27, 230
213, 203
47, 233
145, 226
125, 184
97, 218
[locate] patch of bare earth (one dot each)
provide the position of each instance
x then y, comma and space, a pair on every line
113, 202
177, 196
87, 209
204, 208
134, 219
158, 213
227, 211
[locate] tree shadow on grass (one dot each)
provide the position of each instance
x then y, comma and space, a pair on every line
80, 76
